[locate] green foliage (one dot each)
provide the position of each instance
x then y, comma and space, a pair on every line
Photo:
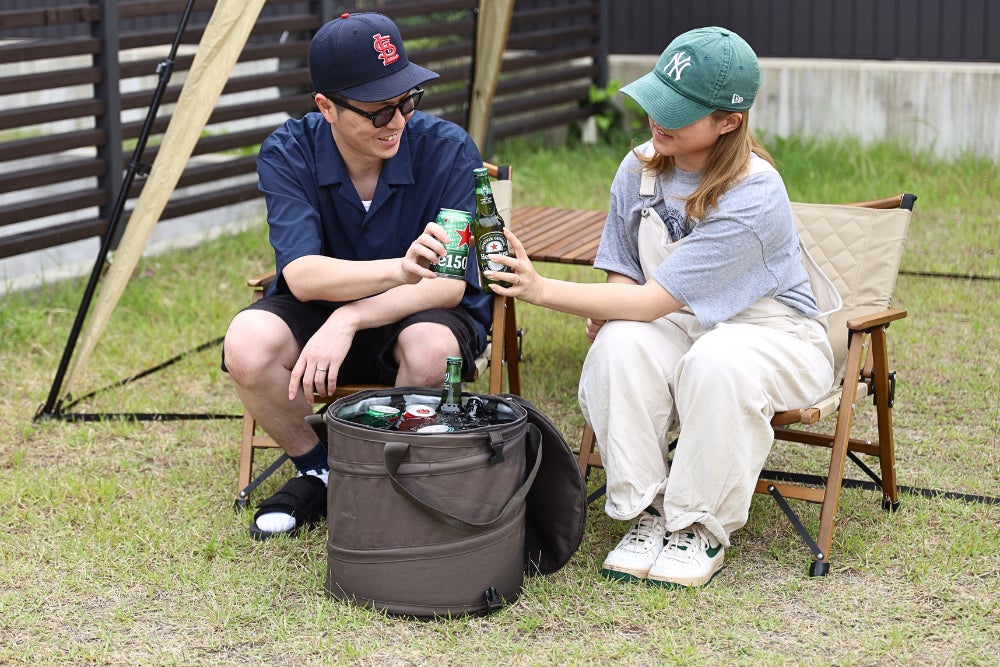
614, 121
608, 116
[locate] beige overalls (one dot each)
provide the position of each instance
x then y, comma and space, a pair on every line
721, 387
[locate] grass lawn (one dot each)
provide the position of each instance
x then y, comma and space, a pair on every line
119, 544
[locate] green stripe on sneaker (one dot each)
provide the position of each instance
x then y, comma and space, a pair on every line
615, 575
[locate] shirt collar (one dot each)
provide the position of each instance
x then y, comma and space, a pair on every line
330, 169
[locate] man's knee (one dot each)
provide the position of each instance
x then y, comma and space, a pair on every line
421, 350
254, 341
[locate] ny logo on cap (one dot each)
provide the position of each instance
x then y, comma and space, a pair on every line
679, 62
387, 51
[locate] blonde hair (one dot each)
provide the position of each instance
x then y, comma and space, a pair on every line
725, 166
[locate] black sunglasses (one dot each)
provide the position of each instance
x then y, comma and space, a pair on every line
383, 116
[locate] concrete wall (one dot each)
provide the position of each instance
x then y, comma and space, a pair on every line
947, 108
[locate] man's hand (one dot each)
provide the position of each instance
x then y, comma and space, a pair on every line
426, 249
316, 370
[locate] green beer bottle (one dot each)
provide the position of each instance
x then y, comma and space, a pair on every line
451, 392
488, 228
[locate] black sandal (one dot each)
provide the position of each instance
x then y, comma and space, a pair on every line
302, 497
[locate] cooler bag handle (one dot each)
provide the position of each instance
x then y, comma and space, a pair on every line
395, 452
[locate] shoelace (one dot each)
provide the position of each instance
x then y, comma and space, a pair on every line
642, 533
686, 545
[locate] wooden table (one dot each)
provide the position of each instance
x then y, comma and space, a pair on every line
561, 235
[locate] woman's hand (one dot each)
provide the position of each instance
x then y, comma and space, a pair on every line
593, 326
525, 283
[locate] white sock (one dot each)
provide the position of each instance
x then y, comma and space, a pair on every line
276, 522
279, 522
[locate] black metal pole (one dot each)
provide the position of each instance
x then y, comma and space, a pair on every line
165, 69
472, 80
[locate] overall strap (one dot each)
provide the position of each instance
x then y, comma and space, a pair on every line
647, 188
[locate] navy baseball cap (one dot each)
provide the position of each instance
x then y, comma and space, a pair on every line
361, 57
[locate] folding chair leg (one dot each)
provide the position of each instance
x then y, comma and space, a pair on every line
793, 518
507, 354
249, 444
838, 454
588, 457
241, 498
513, 349
883, 411
246, 459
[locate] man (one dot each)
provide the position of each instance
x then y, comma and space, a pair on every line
349, 191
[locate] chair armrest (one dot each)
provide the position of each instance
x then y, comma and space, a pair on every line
875, 319
262, 281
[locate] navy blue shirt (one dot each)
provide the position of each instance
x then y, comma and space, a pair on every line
314, 209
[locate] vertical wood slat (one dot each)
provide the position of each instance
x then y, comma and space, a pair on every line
145, 28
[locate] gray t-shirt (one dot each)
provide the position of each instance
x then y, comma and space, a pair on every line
745, 249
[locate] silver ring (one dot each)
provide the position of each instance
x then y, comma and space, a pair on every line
320, 370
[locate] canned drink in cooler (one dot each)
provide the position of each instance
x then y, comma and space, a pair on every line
458, 224
416, 415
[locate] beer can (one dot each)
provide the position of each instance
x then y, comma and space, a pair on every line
416, 415
419, 411
383, 416
458, 224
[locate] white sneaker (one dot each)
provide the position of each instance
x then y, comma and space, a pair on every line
637, 551
691, 557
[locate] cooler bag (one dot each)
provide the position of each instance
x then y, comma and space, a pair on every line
428, 524
556, 507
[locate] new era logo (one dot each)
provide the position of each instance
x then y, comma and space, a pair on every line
736, 99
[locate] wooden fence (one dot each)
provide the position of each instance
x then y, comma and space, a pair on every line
77, 79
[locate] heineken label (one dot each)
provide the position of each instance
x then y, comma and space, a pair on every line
493, 243
458, 224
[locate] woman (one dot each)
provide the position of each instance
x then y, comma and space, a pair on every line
707, 322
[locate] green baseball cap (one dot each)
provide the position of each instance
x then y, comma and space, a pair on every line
700, 71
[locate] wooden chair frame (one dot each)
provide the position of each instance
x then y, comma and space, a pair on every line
502, 350
866, 373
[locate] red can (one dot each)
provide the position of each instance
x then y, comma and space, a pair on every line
416, 415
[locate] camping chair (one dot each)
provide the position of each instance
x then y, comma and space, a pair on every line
859, 247
502, 349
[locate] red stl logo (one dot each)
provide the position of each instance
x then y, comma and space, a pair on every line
388, 53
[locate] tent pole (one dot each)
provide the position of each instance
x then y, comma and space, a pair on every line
472, 68
53, 405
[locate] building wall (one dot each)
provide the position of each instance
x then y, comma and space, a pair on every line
940, 30
948, 108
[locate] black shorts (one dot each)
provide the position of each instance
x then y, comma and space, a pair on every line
370, 359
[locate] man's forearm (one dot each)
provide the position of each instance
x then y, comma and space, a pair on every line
399, 302
318, 278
